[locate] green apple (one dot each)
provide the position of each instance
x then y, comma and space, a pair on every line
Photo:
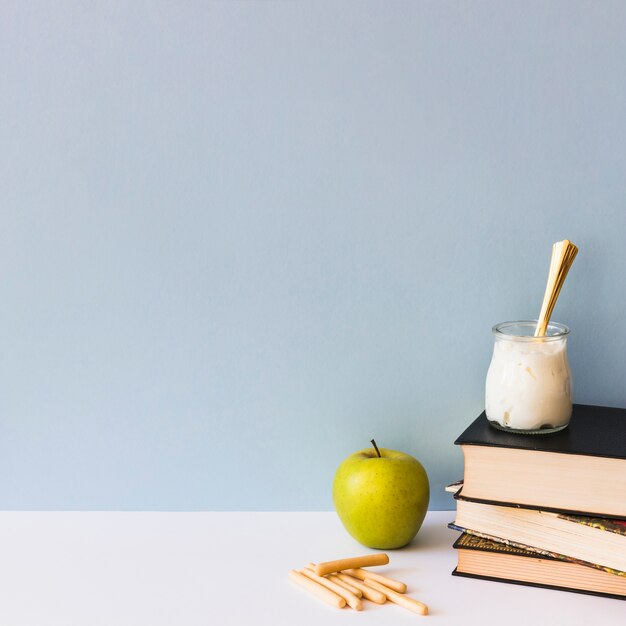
381, 497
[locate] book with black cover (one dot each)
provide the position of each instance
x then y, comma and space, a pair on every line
513, 564
593, 431
581, 469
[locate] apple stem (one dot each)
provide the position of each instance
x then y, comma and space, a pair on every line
376, 448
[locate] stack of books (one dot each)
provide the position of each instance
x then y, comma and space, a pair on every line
546, 510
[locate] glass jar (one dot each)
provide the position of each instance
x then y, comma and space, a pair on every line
529, 382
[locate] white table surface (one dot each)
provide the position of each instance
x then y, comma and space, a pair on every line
148, 569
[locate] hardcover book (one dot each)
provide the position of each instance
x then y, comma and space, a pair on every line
521, 546
581, 469
481, 558
592, 540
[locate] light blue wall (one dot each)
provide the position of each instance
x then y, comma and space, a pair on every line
239, 240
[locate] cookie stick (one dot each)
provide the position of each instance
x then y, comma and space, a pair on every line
357, 592
397, 598
379, 558
369, 593
348, 596
321, 592
334, 578
363, 574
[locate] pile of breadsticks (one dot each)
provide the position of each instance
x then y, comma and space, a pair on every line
345, 582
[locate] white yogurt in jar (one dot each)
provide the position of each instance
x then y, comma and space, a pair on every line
528, 384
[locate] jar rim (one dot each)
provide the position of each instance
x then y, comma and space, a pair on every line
514, 331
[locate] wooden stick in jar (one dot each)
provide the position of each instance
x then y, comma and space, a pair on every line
563, 255
321, 592
397, 598
369, 593
363, 574
352, 600
329, 567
